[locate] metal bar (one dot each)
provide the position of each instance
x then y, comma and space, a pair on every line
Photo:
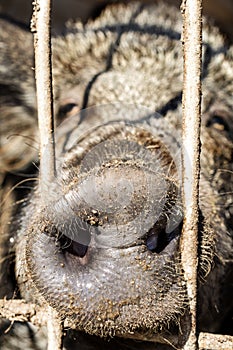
191, 104
55, 330
215, 341
40, 26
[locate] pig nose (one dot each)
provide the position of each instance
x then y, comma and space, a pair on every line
124, 198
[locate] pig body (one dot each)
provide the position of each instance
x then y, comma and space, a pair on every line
102, 246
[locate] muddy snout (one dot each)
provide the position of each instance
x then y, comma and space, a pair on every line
125, 199
112, 232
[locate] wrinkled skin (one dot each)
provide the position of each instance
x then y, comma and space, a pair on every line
101, 243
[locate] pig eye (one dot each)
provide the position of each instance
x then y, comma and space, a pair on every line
68, 109
218, 122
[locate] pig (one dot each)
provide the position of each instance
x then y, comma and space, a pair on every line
101, 244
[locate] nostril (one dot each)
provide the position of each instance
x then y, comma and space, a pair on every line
75, 242
152, 242
157, 238
77, 249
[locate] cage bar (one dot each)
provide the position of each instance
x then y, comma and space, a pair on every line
41, 27
55, 330
191, 106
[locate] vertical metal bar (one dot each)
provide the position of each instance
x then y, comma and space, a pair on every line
191, 104
54, 326
40, 26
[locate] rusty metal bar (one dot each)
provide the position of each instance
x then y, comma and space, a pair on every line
40, 26
191, 104
55, 330
208, 341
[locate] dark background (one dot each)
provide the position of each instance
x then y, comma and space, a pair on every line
220, 10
